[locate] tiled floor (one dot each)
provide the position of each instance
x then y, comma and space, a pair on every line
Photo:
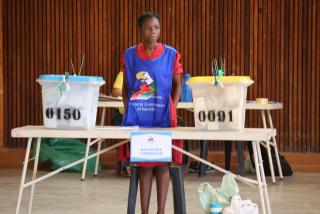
65, 193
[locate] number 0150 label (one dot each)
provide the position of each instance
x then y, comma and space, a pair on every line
63, 113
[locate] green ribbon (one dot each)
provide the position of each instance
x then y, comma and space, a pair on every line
62, 87
217, 73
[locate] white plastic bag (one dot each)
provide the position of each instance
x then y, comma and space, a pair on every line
243, 206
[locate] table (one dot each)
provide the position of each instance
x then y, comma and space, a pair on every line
118, 104
111, 132
250, 105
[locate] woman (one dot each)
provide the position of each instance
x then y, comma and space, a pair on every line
152, 75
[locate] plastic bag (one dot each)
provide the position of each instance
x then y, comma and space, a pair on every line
243, 206
208, 194
62, 151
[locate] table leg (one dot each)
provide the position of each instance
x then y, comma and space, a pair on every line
263, 178
100, 141
86, 160
275, 146
97, 158
24, 172
268, 148
34, 174
257, 164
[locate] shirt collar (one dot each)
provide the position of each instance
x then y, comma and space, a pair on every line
156, 53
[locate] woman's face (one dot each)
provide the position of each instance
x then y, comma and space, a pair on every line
150, 30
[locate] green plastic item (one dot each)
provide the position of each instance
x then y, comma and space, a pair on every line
62, 151
208, 194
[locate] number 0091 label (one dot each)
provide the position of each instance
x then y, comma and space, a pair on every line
216, 116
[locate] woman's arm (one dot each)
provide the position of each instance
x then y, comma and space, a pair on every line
176, 88
116, 92
124, 83
117, 85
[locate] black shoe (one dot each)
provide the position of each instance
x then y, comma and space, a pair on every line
193, 167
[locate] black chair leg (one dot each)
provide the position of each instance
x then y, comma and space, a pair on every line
249, 145
240, 155
203, 155
227, 154
185, 159
186, 147
179, 200
132, 198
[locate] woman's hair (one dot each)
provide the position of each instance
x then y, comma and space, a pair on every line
148, 15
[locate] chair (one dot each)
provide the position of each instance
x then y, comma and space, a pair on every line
179, 201
227, 158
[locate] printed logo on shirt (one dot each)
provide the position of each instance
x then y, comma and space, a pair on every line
147, 89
